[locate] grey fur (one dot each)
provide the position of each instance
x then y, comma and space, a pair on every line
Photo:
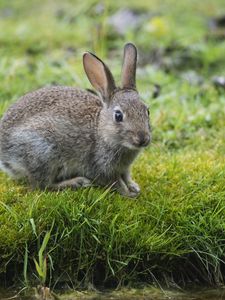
60, 137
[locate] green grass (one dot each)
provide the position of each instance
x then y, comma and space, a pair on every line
175, 230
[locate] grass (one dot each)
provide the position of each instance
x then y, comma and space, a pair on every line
174, 232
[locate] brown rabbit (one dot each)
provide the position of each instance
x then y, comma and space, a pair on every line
59, 137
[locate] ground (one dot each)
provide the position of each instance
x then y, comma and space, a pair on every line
174, 232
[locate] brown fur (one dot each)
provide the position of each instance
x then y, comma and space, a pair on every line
60, 137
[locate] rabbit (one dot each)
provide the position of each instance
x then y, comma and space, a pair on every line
64, 137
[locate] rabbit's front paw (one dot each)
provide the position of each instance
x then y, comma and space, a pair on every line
130, 190
133, 188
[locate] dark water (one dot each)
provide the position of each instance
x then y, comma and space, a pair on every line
123, 294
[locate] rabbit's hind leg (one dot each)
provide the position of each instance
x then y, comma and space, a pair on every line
73, 183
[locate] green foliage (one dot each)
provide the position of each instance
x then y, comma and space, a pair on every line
175, 230
41, 265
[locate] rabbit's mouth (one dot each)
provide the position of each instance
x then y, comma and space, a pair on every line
130, 146
134, 145
141, 140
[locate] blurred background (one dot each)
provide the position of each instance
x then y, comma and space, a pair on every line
181, 47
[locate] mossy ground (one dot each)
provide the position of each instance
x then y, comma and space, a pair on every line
175, 230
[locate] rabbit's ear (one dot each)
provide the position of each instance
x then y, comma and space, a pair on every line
99, 75
129, 66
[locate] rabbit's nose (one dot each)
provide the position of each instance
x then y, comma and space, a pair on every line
143, 138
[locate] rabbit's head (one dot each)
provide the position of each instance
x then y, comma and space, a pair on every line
124, 119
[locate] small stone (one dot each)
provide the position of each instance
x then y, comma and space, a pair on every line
192, 77
99, 8
124, 20
219, 81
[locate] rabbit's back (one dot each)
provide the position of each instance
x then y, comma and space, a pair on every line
56, 99
49, 132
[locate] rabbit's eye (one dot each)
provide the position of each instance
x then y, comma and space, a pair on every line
118, 116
